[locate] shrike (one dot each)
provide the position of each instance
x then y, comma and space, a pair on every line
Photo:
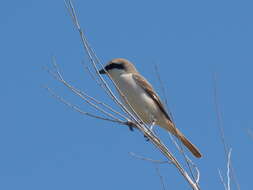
139, 95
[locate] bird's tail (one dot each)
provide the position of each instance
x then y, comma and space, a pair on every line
194, 150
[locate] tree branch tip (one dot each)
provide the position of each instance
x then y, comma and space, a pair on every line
149, 159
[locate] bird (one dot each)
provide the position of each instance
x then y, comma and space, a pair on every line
140, 98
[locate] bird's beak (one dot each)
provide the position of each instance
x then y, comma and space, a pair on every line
102, 71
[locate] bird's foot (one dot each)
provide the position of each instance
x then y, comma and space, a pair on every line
130, 125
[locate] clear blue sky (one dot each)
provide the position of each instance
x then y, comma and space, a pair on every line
45, 145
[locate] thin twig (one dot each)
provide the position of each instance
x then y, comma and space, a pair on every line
228, 169
193, 165
148, 159
155, 162
219, 116
160, 176
189, 163
81, 94
76, 108
88, 70
163, 91
222, 179
222, 134
102, 103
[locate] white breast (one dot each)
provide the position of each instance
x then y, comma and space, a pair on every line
139, 100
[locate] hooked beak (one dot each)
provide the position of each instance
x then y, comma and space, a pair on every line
102, 71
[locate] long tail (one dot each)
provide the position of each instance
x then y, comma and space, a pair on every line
194, 150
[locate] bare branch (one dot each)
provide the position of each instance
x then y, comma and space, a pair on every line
76, 108
84, 95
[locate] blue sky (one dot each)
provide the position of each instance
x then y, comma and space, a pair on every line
46, 145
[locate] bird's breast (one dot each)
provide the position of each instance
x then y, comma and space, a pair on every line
137, 97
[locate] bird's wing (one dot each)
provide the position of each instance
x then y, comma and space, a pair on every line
147, 87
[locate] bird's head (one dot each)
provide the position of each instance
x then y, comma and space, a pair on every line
117, 67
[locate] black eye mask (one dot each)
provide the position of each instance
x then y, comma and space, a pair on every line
112, 66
